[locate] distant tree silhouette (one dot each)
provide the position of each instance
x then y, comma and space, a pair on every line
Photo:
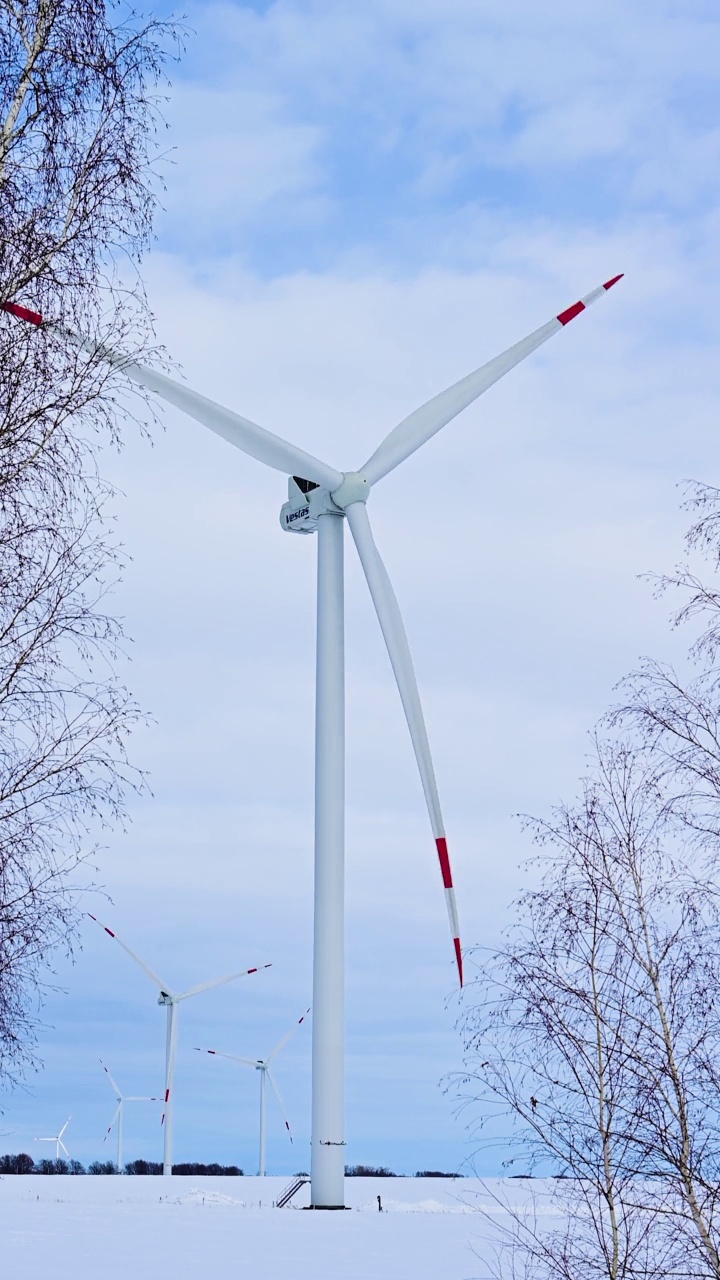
368, 1171
102, 1167
142, 1167
17, 1164
189, 1168
52, 1166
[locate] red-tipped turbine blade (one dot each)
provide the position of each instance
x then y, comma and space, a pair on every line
281, 1044
423, 423
393, 629
577, 307
133, 955
281, 1105
22, 313
446, 873
245, 435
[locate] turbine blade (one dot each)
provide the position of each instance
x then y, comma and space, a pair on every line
112, 1123
423, 423
32, 317
247, 436
153, 976
217, 1053
134, 1099
281, 1044
391, 625
260, 444
281, 1104
64, 1127
62, 1144
218, 982
116, 1087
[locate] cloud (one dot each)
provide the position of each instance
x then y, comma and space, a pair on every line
357, 119
239, 158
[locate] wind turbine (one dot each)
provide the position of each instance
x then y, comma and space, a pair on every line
171, 999
59, 1144
319, 497
121, 1099
263, 1066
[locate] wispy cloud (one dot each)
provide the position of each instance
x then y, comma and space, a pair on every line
365, 118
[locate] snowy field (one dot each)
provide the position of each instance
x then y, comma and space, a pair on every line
80, 1228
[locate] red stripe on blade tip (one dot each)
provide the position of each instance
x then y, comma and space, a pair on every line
112, 935
458, 957
566, 316
609, 283
167, 1094
441, 845
22, 313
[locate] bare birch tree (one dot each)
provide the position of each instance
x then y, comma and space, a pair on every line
676, 714
79, 81
596, 1037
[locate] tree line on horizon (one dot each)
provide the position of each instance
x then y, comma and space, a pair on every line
24, 1164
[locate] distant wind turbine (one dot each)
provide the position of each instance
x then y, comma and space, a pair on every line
121, 1099
171, 999
59, 1144
319, 499
263, 1066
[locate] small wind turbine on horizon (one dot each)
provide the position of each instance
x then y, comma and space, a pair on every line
59, 1144
320, 499
263, 1066
121, 1099
171, 999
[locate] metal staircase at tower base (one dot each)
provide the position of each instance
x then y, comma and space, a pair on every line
286, 1196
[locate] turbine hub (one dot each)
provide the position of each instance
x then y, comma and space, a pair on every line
355, 487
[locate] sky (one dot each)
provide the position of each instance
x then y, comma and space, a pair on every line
363, 203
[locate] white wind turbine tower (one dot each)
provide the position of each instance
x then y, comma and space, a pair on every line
171, 999
263, 1066
59, 1144
121, 1099
319, 497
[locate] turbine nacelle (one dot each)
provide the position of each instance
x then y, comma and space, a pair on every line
308, 501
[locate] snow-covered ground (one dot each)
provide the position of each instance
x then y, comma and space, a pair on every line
151, 1228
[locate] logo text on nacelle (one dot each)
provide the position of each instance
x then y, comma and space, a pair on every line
297, 515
